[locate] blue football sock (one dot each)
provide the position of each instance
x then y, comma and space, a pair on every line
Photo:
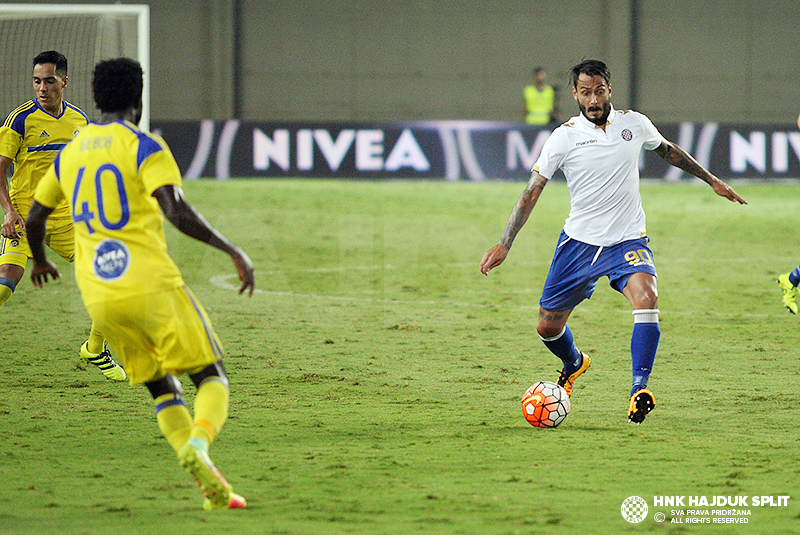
794, 276
7, 287
563, 346
644, 344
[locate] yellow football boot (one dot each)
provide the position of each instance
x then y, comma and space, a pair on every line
193, 457
104, 362
567, 380
642, 402
789, 293
234, 502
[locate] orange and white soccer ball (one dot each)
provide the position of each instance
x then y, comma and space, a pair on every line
545, 404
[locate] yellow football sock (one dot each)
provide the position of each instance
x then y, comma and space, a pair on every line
210, 409
96, 343
173, 419
7, 287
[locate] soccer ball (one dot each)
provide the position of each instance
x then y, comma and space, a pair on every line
545, 404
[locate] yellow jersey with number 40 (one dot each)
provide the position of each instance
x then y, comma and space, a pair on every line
108, 174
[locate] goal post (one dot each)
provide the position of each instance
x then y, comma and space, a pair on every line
85, 34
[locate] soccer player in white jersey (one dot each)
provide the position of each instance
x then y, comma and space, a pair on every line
604, 234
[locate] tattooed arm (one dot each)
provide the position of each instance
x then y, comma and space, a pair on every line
519, 215
674, 155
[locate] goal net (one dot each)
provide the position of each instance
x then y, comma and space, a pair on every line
84, 33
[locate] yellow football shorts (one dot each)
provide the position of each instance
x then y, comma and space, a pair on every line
152, 334
58, 236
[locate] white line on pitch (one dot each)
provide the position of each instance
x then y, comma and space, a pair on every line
223, 281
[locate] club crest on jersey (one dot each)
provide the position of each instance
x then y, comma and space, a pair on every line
111, 260
627, 135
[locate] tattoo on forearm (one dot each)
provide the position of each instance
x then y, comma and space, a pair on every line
681, 159
514, 225
522, 210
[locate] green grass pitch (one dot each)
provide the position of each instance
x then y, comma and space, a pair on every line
377, 375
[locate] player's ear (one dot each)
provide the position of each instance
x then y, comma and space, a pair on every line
65, 81
575, 93
137, 111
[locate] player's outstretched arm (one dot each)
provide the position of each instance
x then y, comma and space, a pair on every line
190, 222
519, 215
674, 155
11, 217
42, 267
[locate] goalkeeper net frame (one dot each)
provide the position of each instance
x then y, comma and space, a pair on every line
85, 34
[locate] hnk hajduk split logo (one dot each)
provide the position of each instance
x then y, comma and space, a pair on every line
700, 509
634, 509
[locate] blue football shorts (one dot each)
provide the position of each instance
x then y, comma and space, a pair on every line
577, 267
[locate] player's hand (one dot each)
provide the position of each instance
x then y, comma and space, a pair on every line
10, 222
41, 271
244, 268
493, 258
724, 190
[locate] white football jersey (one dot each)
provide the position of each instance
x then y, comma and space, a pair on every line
602, 172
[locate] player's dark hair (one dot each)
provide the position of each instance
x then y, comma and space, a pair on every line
592, 67
51, 56
117, 84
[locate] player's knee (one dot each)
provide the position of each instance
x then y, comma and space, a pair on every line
214, 371
548, 330
551, 322
646, 299
642, 291
12, 272
168, 384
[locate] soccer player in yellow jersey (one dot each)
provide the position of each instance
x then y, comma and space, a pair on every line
30, 138
115, 178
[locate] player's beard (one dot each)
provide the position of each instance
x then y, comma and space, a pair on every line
603, 119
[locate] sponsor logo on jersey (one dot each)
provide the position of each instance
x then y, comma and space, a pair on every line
111, 260
587, 142
44, 134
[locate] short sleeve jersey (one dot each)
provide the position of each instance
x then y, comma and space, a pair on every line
108, 174
602, 172
31, 137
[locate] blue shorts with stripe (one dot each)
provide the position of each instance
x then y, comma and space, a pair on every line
577, 267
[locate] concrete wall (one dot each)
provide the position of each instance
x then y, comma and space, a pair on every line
410, 59
725, 61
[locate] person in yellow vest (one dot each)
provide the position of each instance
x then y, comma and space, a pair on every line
540, 100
